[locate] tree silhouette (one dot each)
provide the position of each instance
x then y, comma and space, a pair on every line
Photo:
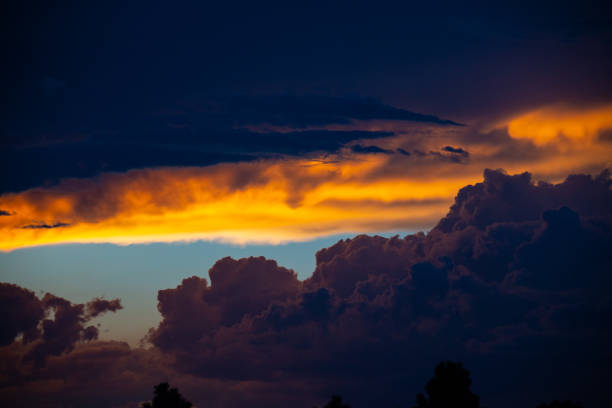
449, 387
561, 404
166, 397
336, 402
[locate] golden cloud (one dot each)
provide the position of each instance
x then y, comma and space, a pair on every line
549, 124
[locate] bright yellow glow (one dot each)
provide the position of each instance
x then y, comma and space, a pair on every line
551, 123
267, 202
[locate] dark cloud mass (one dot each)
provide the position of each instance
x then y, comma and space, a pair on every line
52, 325
456, 150
237, 288
45, 226
199, 133
514, 282
369, 149
513, 268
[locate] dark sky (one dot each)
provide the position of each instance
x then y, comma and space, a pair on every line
453, 59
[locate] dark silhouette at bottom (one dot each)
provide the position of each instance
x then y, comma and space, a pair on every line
449, 387
336, 402
166, 397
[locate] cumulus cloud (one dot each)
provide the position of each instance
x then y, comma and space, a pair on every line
237, 288
24, 313
53, 325
509, 270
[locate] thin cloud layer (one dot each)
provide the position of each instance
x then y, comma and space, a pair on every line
201, 133
516, 275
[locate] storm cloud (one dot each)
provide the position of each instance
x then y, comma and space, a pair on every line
511, 264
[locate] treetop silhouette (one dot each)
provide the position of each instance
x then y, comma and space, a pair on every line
166, 397
449, 387
336, 402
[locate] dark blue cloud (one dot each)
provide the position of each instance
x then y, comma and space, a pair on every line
41, 164
456, 150
45, 226
369, 149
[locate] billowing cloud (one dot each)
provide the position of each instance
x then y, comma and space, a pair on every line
24, 311
53, 325
510, 270
237, 288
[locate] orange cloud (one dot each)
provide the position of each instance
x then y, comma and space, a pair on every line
551, 123
266, 201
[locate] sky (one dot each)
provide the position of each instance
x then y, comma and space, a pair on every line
424, 183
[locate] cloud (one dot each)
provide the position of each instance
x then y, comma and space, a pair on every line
98, 306
53, 325
369, 149
403, 151
317, 110
495, 199
4, 213
24, 311
551, 123
277, 198
236, 288
456, 150
204, 133
265, 201
485, 284
45, 226
103, 152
